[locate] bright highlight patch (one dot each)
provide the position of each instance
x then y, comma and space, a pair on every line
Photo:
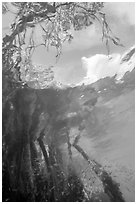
101, 66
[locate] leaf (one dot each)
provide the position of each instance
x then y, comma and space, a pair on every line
116, 42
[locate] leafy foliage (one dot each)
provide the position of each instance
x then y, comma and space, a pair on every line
55, 22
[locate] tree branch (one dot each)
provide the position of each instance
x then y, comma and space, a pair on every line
64, 4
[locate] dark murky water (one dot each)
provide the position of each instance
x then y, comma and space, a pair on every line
105, 124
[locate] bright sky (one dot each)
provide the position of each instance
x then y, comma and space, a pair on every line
86, 43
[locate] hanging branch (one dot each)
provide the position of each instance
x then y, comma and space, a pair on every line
29, 16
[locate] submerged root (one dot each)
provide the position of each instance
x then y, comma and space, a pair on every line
111, 188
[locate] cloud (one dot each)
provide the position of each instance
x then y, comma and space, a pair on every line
122, 11
85, 38
89, 70
100, 66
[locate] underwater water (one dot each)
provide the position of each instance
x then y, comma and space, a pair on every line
74, 144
